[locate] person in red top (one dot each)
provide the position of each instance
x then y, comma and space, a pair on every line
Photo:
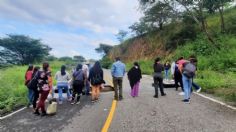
28, 77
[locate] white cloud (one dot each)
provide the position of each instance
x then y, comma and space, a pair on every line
97, 15
70, 27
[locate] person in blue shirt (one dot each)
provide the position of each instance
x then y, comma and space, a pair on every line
118, 72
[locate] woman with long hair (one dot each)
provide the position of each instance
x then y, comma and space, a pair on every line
134, 76
44, 86
96, 80
62, 77
28, 77
34, 86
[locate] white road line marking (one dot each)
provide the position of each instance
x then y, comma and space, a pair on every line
206, 97
4, 117
216, 101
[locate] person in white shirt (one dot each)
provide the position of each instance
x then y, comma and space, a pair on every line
62, 77
85, 69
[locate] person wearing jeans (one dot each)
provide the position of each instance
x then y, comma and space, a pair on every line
62, 78
28, 78
118, 72
187, 83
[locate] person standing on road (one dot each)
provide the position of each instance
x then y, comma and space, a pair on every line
118, 72
34, 86
85, 68
195, 85
157, 77
62, 77
177, 76
78, 84
45, 86
96, 79
188, 69
28, 77
167, 68
134, 76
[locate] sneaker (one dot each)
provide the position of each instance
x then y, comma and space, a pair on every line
77, 102
181, 93
43, 114
199, 90
186, 101
73, 103
155, 96
36, 112
163, 94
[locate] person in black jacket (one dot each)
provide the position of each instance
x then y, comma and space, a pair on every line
134, 76
96, 80
157, 77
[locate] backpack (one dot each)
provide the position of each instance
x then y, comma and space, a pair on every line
32, 81
189, 70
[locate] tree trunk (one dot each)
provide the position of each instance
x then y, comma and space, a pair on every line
160, 25
222, 20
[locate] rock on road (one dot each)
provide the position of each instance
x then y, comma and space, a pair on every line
141, 114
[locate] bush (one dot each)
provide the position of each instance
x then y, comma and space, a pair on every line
106, 62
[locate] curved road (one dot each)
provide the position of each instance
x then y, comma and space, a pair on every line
141, 114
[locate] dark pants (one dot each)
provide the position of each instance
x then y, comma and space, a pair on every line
158, 82
41, 103
178, 80
117, 81
36, 97
77, 89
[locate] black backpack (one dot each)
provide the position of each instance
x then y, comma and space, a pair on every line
33, 81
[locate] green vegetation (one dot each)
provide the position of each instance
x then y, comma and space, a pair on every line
208, 33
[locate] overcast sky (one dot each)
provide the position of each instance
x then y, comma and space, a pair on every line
70, 27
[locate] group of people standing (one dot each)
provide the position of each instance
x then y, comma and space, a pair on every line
39, 81
39, 84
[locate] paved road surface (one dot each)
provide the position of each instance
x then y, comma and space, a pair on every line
142, 114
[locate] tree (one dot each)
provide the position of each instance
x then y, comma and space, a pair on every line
7, 57
213, 5
27, 49
159, 14
65, 58
195, 8
79, 59
121, 35
139, 28
104, 49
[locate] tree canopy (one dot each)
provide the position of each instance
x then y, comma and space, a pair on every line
25, 49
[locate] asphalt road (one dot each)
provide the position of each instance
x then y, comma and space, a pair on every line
141, 114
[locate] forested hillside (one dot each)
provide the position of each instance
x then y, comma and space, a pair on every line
170, 29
